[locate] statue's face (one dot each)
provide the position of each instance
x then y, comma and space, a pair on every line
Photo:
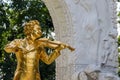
94, 75
36, 32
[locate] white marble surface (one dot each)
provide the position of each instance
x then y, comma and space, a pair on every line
87, 25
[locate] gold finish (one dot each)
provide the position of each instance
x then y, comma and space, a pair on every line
30, 49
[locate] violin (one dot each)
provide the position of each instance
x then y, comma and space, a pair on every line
52, 44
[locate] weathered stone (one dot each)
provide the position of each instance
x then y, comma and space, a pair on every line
90, 26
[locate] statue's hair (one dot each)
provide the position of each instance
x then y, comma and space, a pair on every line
28, 28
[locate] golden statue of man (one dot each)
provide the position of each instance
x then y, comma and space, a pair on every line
29, 50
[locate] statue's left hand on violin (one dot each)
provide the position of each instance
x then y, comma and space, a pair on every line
53, 44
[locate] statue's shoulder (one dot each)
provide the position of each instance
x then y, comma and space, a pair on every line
17, 40
14, 42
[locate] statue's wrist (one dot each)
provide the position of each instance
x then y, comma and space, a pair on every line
57, 51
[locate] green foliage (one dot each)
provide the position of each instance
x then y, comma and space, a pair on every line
118, 41
13, 15
119, 64
119, 54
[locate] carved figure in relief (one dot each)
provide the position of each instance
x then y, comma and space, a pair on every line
108, 76
94, 72
91, 72
86, 4
29, 50
109, 46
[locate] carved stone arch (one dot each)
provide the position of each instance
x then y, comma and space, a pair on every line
60, 16
64, 31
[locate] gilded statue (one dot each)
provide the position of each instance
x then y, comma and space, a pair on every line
29, 50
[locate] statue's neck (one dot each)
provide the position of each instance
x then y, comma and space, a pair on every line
29, 40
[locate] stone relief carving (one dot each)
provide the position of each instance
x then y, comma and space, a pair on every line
110, 49
113, 12
76, 1
93, 72
108, 76
89, 24
89, 30
90, 73
86, 4
88, 20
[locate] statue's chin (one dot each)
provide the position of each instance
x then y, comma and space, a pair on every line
34, 37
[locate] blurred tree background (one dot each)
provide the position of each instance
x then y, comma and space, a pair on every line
118, 14
13, 15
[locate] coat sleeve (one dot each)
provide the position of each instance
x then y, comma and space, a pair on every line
48, 59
